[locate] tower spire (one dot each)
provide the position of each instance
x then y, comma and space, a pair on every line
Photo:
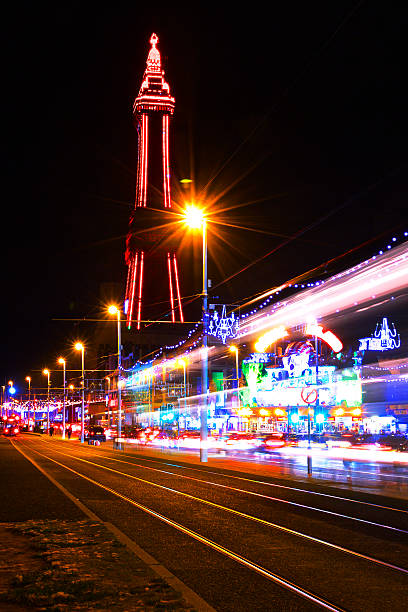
153, 59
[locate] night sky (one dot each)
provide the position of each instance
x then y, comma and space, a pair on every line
310, 96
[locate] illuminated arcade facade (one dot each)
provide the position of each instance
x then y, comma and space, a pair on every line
152, 110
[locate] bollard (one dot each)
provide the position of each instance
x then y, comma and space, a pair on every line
309, 465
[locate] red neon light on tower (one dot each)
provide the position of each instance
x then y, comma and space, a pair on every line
152, 103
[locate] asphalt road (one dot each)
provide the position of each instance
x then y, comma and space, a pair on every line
240, 541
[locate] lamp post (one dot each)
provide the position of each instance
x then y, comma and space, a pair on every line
28, 379
61, 361
113, 310
109, 418
183, 363
47, 373
3, 393
80, 347
71, 410
195, 219
234, 349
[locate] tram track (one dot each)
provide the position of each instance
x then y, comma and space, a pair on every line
264, 483
295, 490
268, 572
244, 515
274, 577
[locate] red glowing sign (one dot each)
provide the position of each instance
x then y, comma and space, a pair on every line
328, 337
309, 395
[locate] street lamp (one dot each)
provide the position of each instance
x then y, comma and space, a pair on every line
80, 347
47, 373
194, 218
109, 418
114, 310
28, 379
61, 361
234, 349
182, 361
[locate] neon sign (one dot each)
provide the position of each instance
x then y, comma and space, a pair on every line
223, 327
383, 339
328, 337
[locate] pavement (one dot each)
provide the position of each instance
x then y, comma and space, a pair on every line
239, 539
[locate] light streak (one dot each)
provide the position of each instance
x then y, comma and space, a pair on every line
173, 318
270, 337
139, 305
145, 155
379, 277
166, 167
178, 288
133, 287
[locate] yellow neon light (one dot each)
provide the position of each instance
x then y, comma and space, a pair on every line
270, 337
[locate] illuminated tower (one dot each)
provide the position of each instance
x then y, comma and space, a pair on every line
152, 110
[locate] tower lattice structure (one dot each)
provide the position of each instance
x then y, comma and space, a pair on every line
152, 111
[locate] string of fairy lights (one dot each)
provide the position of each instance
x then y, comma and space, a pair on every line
267, 302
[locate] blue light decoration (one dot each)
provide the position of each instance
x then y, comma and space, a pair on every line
221, 326
383, 339
12, 390
259, 358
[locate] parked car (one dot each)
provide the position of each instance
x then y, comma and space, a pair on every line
392, 442
95, 433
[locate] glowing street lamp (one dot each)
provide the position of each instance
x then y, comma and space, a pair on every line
114, 310
194, 218
80, 347
47, 374
61, 361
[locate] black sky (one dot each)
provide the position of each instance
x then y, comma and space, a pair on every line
310, 94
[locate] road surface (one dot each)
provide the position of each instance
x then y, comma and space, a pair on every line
240, 541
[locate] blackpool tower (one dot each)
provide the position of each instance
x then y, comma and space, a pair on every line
146, 257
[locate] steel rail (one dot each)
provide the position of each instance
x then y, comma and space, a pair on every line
275, 526
289, 585
277, 499
269, 484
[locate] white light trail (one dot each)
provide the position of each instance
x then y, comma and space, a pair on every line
371, 279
